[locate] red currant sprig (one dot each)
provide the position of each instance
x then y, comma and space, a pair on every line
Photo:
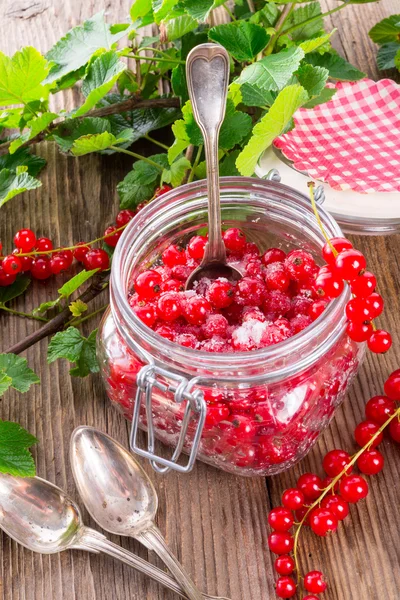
346, 264
322, 504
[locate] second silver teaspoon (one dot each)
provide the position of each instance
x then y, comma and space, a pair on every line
41, 517
120, 497
207, 74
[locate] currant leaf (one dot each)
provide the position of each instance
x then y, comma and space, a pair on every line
99, 141
312, 79
314, 43
176, 172
387, 55
36, 126
242, 39
13, 183
140, 183
273, 72
22, 76
75, 283
300, 18
386, 31
22, 157
16, 367
77, 308
178, 27
325, 95
15, 289
71, 130
15, 459
337, 66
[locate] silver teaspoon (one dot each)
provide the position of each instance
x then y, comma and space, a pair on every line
207, 73
41, 517
120, 497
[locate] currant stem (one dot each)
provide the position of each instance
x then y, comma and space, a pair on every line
316, 213
333, 483
151, 139
138, 157
23, 314
76, 322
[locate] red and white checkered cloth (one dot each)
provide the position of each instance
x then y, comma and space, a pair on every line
352, 141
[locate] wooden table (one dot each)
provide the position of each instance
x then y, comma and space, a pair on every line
215, 522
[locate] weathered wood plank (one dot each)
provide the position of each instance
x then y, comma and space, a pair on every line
215, 522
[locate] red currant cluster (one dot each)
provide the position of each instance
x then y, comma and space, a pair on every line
345, 264
322, 503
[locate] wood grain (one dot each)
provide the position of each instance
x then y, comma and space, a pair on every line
215, 522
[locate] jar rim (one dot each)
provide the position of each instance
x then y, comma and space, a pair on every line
218, 362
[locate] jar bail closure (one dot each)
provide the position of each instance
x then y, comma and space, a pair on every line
183, 390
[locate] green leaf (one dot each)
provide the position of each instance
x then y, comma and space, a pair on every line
75, 282
176, 28
300, 16
338, 68
5, 383
312, 79
16, 367
15, 289
77, 308
397, 60
386, 31
140, 183
314, 43
102, 75
273, 72
139, 9
12, 183
36, 126
386, 56
178, 82
71, 130
326, 95
15, 459
70, 344
161, 8
99, 141
198, 9
45, 306
242, 39
181, 142
267, 16
252, 95
270, 126
76, 48
22, 157
176, 172
21, 77
227, 167
87, 362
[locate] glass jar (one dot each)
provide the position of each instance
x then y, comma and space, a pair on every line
279, 398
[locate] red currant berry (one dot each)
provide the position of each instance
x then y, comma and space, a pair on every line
124, 216
280, 542
363, 285
169, 306
285, 587
197, 310
276, 277
394, 430
323, 521
220, 293
376, 304
310, 485
249, 291
359, 332
284, 565
335, 462
293, 499
234, 240
280, 519
11, 264
300, 265
215, 325
97, 258
350, 263
216, 413
25, 240
328, 284
174, 255
353, 489
315, 583
26, 261
162, 189
273, 255
310, 598
41, 268
112, 236
147, 314
358, 310
58, 263
148, 284
317, 308
365, 431
67, 256
80, 251
239, 429
371, 462
172, 285
379, 409
5, 279
392, 385
380, 341
196, 247
301, 513
339, 244
337, 506
43, 244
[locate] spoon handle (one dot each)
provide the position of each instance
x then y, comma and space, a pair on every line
207, 73
152, 538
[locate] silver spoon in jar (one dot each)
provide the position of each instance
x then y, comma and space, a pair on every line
120, 497
42, 518
207, 73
